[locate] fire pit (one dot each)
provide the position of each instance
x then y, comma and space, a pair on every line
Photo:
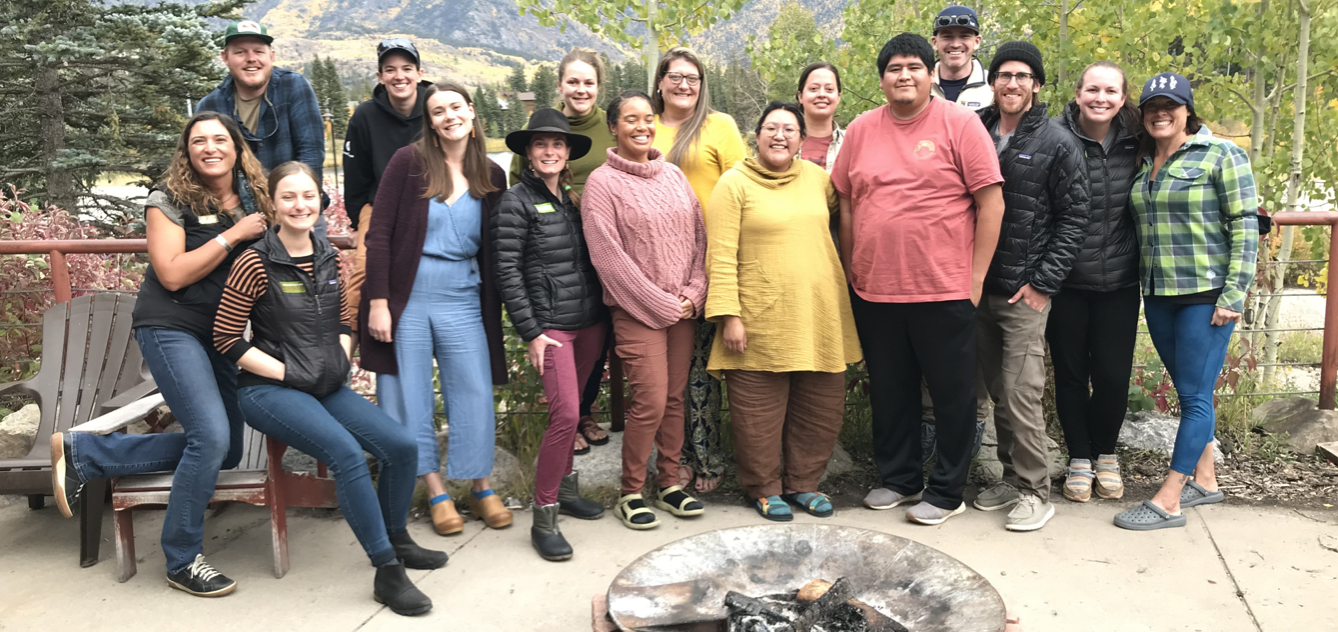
683, 585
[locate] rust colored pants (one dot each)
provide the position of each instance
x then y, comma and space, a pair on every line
784, 420
656, 362
355, 278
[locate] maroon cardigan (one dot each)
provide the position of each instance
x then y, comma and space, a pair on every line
395, 241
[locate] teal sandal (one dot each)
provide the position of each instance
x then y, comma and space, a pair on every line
774, 508
816, 504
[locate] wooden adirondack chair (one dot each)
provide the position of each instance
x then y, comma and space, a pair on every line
260, 480
91, 365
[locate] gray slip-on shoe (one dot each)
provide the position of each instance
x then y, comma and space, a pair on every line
883, 498
998, 496
925, 513
1193, 495
1148, 517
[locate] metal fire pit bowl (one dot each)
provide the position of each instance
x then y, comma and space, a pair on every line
922, 588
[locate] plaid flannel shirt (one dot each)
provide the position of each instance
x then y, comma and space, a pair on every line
1197, 221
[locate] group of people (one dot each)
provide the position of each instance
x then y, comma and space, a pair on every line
943, 238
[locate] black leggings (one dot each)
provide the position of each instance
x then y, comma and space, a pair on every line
1092, 336
592, 384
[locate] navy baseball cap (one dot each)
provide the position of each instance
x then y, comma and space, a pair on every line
955, 15
1170, 85
396, 44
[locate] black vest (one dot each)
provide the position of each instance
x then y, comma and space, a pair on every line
192, 308
298, 319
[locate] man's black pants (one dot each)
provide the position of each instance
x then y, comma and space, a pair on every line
904, 342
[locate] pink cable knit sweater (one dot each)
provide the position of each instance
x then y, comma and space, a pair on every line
647, 237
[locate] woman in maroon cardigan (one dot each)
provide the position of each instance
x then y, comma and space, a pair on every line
430, 291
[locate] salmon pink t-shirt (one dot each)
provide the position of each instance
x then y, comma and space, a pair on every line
911, 184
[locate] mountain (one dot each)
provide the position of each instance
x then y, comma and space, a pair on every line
473, 41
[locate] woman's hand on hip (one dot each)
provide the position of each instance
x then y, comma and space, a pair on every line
537, 348
736, 338
378, 320
1222, 316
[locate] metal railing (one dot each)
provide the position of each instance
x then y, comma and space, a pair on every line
1328, 370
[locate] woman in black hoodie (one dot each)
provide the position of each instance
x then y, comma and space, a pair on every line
291, 386
1094, 320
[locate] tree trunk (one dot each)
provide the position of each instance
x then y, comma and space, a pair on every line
652, 45
59, 182
1063, 43
1258, 110
1293, 183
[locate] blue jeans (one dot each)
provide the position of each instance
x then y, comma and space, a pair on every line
200, 386
336, 429
444, 318
1193, 351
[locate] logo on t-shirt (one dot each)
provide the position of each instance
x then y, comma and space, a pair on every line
924, 149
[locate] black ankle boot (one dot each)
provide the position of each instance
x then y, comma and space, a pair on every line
393, 588
571, 503
545, 537
415, 556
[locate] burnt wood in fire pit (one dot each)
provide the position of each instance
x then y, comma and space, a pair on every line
923, 589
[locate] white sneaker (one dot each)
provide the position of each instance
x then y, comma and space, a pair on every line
1030, 514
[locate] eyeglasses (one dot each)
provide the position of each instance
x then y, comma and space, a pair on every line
1008, 77
678, 77
956, 20
787, 131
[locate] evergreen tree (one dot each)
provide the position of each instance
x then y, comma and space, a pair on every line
516, 82
715, 77
612, 83
515, 117
544, 87
88, 89
482, 111
330, 93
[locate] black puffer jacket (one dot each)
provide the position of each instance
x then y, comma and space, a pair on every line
1045, 205
1108, 259
544, 272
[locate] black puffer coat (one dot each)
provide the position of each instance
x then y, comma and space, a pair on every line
1108, 259
1045, 205
544, 272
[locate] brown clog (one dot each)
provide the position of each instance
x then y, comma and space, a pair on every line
445, 519
490, 510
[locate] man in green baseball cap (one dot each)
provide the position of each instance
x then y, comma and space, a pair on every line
276, 107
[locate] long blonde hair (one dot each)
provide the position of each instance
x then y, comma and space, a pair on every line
691, 131
189, 192
476, 165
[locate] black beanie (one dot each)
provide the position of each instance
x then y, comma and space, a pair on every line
1025, 52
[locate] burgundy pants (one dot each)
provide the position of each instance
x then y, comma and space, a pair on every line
657, 362
566, 370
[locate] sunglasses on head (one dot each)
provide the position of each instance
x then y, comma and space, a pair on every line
956, 20
394, 42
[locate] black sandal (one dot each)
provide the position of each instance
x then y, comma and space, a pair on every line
587, 424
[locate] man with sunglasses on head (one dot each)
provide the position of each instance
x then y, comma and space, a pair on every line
1046, 207
391, 119
276, 107
958, 77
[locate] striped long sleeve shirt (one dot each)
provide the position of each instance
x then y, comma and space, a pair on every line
247, 283
1197, 221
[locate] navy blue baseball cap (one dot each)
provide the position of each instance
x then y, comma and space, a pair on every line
955, 15
1170, 85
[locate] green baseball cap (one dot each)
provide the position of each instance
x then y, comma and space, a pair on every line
246, 28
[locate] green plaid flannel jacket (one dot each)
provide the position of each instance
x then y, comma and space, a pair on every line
1197, 221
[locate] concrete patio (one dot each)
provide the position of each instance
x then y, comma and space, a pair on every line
1234, 568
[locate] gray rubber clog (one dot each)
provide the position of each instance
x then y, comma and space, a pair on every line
1148, 517
1194, 495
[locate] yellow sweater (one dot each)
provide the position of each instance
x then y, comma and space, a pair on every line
771, 261
718, 149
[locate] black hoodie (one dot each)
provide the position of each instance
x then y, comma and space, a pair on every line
375, 132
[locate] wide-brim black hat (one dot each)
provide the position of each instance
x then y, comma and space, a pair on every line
548, 121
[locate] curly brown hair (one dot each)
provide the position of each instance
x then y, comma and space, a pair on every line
189, 192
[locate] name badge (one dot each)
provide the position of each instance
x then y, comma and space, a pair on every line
208, 219
293, 287
973, 104
1024, 156
544, 208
